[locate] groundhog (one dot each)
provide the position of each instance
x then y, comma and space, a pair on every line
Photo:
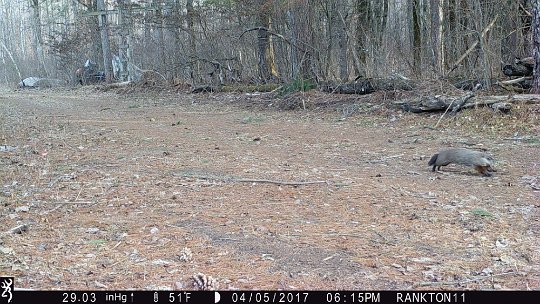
481, 161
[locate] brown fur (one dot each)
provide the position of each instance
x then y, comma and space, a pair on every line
481, 161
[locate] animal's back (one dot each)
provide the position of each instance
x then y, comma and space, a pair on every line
463, 156
481, 161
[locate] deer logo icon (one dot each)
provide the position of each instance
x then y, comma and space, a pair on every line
7, 285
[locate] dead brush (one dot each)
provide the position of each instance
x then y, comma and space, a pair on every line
522, 118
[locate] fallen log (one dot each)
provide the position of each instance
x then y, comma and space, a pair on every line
442, 103
359, 87
370, 85
520, 85
472, 84
204, 89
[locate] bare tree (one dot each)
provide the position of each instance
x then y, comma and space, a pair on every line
341, 11
105, 44
536, 44
192, 49
417, 39
437, 39
267, 66
37, 40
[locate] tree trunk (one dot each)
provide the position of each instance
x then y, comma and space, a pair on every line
262, 46
291, 17
536, 44
377, 22
342, 42
192, 47
331, 24
437, 44
267, 67
417, 41
105, 45
526, 26
37, 41
362, 9
482, 41
125, 42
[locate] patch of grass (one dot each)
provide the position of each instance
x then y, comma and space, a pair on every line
253, 119
97, 242
365, 122
342, 184
297, 85
535, 141
344, 144
481, 212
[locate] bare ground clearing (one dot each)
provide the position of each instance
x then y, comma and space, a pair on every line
141, 192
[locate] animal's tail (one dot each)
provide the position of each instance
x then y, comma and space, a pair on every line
433, 160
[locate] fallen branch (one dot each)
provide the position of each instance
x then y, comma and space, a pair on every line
74, 203
17, 230
116, 85
517, 80
267, 181
440, 118
249, 180
479, 278
337, 235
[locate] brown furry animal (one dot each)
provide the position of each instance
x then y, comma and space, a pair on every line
481, 161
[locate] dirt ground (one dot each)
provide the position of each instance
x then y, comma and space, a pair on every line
144, 191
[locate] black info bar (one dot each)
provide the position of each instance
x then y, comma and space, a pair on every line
238, 297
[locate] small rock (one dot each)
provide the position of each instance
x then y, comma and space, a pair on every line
508, 260
178, 285
423, 260
22, 209
261, 229
501, 243
154, 230
6, 250
487, 271
92, 230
